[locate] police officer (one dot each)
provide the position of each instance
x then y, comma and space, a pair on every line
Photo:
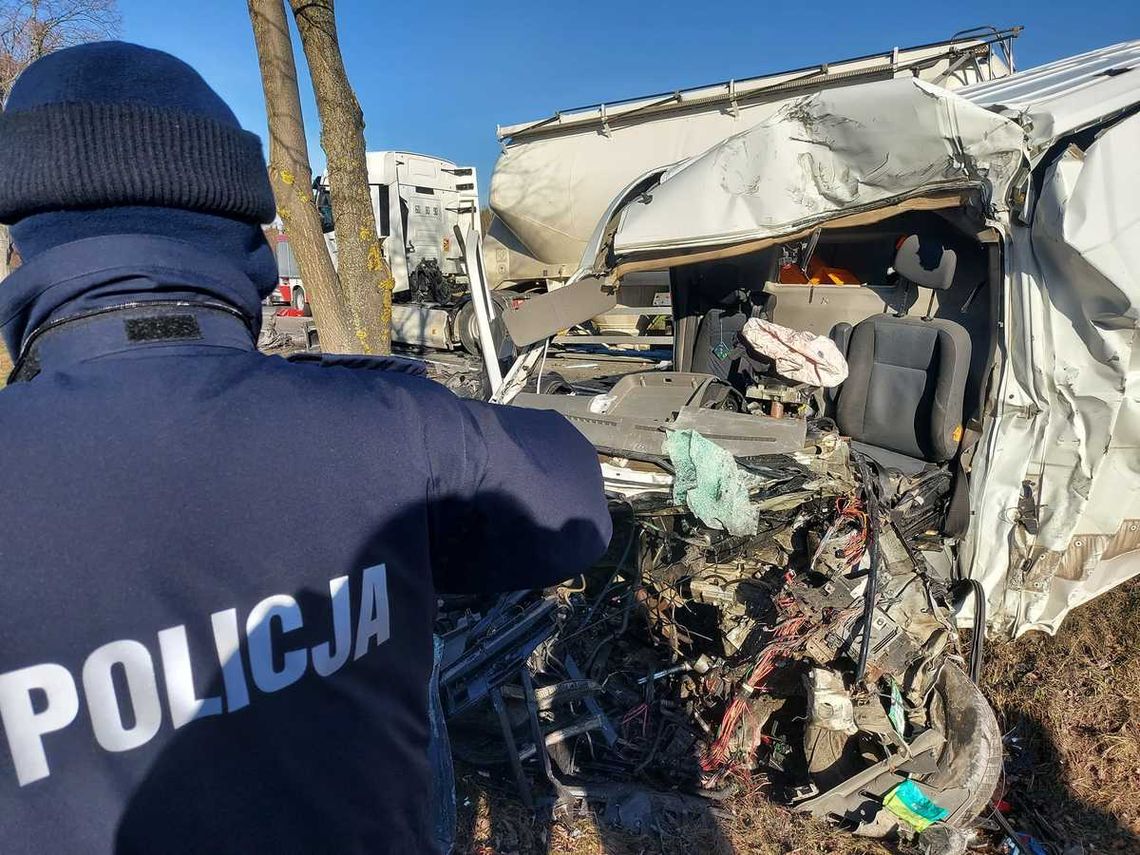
203, 647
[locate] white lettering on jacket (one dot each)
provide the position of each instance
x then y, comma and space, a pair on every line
119, 680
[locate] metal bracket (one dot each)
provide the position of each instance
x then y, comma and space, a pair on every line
562, 796
521, 781
592, 704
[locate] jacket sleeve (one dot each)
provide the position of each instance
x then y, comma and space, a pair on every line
517, 500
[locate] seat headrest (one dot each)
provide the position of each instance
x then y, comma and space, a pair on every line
927, 261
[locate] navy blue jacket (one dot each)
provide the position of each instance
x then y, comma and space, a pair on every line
220, 569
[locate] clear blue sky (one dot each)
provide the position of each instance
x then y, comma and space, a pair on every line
438, 77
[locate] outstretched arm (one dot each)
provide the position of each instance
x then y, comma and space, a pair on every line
519, 501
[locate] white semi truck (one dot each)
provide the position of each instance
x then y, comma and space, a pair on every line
557, 174
418, 202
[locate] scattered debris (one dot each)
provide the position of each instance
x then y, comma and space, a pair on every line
1024, 845
270, 338
811, 656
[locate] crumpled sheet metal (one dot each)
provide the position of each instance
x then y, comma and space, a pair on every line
799, 355
827, 153
713, 658
1055, 99
1069, 402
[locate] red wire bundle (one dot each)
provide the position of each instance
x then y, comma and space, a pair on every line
851, 543
786, 639
847, 535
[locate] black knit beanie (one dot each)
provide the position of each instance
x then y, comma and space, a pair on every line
112, 124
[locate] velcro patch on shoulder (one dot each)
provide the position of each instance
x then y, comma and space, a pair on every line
163, 328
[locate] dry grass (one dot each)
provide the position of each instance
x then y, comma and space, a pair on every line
493, 824
1070, 706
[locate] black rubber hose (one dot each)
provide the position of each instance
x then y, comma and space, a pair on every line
870, 594
978, 642
868, 607
977, 646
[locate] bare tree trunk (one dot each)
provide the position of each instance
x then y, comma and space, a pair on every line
5, 238
292, 180
364, 273
5, 249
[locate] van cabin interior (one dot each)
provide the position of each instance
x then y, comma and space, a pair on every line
910, 303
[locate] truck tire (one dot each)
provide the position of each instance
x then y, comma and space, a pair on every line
300, 302
466, 325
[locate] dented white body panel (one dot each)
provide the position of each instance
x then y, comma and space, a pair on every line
823, 155
1067, 417
1062, 425
1060, 97
556, 174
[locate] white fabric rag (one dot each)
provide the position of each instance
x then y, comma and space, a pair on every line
801, 356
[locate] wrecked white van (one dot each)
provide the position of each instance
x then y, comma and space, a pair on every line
1025, 192
904, 397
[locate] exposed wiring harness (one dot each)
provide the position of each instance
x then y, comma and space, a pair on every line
871, 501
788, 637
846, 537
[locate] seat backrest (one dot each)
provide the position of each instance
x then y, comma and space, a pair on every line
905, 384
714, 350
818, 308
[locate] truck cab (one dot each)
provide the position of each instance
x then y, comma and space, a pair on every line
418, 201
971, 256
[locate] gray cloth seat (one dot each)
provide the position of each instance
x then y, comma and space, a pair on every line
905, 386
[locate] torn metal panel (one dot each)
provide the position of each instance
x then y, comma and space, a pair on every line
546, 315
556, 175
821, 155
1068, 418
633, 416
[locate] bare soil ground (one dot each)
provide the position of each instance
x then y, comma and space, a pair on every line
1070, 709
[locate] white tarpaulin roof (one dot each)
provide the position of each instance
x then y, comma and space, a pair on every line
1055, 99
838, 150
557, 175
